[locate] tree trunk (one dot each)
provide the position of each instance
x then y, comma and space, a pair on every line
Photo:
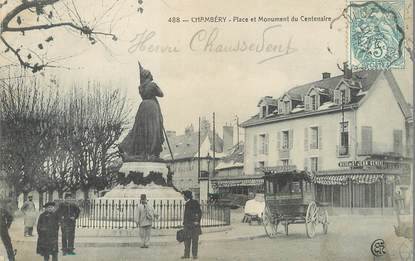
86, 193
50, 195
60, 194
40, 200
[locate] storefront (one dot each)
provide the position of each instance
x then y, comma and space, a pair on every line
361, 187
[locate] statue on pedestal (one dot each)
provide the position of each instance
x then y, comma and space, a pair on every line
145, 139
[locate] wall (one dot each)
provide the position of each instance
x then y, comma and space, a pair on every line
383, 117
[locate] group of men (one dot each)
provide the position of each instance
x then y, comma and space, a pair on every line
62, 215
66, 213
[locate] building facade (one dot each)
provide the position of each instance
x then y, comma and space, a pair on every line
350, 131
183, 160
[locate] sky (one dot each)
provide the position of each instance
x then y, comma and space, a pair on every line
199, 65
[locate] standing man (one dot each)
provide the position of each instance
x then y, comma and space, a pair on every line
48, 230
29, 211
191, 224
6, 220
145, 220
69, 212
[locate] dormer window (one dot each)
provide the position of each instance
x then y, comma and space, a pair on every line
267, 106
285, 105
342, 94
314, 97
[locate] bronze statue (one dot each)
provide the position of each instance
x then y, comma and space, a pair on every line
145, 139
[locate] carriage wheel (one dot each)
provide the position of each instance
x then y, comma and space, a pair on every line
268, 222
325, 220
311, 219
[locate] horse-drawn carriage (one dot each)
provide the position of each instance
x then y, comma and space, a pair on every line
290, 199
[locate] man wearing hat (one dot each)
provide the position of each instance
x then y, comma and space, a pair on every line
191, 224
68, 212
6, 220
48, 230
29, 211
145, 220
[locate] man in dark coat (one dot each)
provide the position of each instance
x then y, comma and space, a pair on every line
68, 212
191, 223
48, 230
6, 220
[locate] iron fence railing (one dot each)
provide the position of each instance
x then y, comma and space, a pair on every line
123, 214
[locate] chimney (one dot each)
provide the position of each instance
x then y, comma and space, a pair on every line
227, 138
326, 75
346, 71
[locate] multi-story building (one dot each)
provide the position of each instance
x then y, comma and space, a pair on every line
352, 131
185, 162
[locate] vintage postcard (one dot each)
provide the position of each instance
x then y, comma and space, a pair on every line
206, 129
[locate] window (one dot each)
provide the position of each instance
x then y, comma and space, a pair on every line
314, 163
285, 140
263, 143
285, 162
287, 107
313, 102
261, 164
344, 139
314, 138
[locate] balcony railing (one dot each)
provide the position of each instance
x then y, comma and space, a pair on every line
343, 151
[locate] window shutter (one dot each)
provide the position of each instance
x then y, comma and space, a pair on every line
280, 107
306, 139
291, 139
320, 139
318, 97
337, 97
279, 140
266, 144
347, 95
306, 167
366, 140
307, 103
255, 147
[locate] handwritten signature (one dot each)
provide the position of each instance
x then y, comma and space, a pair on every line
209, 41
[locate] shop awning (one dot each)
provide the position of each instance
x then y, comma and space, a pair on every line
238, 181
354, 178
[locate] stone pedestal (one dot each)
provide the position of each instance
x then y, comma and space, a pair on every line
152, 190
144, 167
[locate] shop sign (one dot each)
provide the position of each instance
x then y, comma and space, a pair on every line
379, 164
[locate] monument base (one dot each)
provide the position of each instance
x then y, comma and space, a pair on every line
148, 178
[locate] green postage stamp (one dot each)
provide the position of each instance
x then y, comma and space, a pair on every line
376, 35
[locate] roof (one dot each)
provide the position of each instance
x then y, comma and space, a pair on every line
186, 145
363, 79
